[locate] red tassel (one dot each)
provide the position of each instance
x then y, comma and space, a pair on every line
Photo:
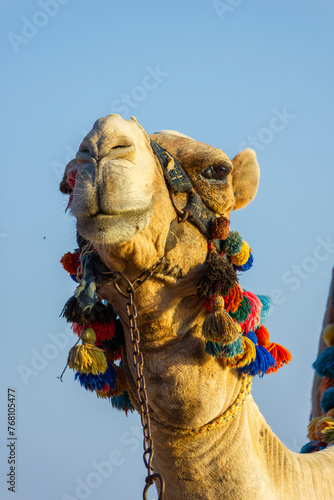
220, 228
280, 354
103, 331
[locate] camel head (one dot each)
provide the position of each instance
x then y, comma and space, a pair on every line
115, 181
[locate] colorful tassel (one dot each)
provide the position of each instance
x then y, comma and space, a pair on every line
218, 326
122, 402
229, 350
103, 331
311, 447
328, 334
261, 364
266, 307
248, 355
243, 311
327, 400
281, 355
324, 365
253, 319
218, 272
324, 429
87, 358
234, 299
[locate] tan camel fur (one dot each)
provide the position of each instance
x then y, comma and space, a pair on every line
123, 208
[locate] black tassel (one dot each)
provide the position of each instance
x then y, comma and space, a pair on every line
73, 312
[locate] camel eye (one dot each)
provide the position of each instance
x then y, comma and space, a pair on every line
216, 172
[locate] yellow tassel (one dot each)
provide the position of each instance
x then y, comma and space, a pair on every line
87, 358
324, 429
242, 257
311, 427
247, 356
328, 334
218, 326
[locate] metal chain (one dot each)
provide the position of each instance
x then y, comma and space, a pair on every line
138, 362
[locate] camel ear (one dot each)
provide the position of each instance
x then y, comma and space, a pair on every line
245, 177
64, 186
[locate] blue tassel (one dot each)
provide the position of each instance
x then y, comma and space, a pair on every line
327, 400
247, 265
252, 336
74, 278
224, 350
122, 402
263, 361
310, 447
96, 382
266, 307
324, 365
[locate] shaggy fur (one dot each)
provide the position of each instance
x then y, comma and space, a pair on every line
123, 208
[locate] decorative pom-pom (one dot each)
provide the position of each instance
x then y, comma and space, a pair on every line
70, 262
324, 365
243, 311
266, 307
218, 326
241, 258
87, 358
232, 244
247, 264
328, 334
281, 355
217, 270
230, 350
220, 228
327, 400
103, 331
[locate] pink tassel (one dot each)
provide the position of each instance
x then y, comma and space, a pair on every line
253, 320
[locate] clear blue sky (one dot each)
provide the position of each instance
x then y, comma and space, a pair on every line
232, 74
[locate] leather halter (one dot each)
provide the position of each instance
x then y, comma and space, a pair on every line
178, 182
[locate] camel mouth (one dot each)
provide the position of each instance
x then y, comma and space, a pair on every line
117, 227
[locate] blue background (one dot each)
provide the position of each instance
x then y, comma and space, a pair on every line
226, 69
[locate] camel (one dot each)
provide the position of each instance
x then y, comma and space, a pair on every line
205, 446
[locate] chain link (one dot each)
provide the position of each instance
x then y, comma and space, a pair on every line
138, 362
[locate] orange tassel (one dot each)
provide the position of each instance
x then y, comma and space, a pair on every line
262, 335
234, 299
280, 354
